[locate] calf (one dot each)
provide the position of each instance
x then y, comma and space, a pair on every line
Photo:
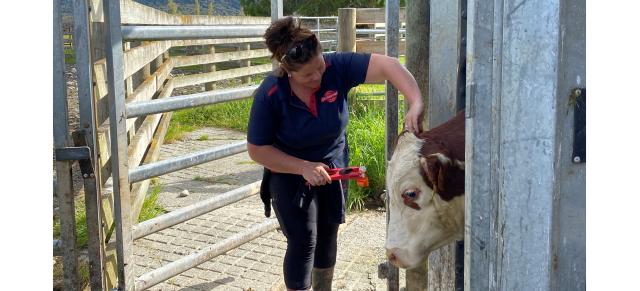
425, 180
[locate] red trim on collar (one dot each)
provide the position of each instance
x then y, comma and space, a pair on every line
312, 104
272, 90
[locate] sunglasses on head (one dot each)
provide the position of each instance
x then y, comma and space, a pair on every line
299, 50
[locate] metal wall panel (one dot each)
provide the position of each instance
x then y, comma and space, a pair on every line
525, 200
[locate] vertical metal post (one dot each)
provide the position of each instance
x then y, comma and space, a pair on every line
61, 139
480, 183
417, 40
318, 27
276, 10
276, 13
444, 99
88, 128
569, 214
392, 19
119, 160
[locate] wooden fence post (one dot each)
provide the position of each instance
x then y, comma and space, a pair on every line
245, 63
210, 68
347, 30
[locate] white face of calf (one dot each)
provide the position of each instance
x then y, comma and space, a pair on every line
420, 221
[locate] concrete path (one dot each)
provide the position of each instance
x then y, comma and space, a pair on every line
256, 265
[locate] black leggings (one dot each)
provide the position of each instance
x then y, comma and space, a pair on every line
311, 238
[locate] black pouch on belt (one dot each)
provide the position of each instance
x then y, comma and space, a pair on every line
304, 195
265, 195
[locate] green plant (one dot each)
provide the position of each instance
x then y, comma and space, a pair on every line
203, 137
81, 225
150, 206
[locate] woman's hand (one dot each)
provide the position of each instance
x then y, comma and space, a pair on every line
413, 119
315, 173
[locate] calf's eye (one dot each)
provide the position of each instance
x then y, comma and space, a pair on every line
409, 198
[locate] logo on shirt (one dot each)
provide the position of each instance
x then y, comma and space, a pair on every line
329, 96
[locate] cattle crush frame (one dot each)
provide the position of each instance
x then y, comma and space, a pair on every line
518, 68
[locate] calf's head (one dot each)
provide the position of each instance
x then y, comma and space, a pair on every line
426, 199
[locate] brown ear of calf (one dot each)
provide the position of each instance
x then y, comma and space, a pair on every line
445, 179
435, 169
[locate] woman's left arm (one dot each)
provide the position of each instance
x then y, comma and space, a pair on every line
387, 68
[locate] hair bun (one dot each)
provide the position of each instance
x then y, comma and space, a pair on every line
281, 34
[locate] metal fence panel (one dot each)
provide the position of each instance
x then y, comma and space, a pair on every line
479, 179
119, 160
392, 17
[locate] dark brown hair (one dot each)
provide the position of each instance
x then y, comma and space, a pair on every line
285, 35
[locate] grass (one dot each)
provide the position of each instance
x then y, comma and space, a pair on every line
69, 56
366, 133
150, 206
203, 137
81, 225
232, 115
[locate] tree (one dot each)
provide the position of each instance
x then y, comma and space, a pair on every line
173, 8
210, 8
197, 7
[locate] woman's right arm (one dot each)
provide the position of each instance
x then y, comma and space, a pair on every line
278, 161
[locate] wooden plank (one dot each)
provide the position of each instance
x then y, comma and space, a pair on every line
67, 213
104, 145
140, 189
144, 134
136, 13
183, 61
110, 264
143, 92
375, 15
151, 84
190, 42
220, 75
223, 20
377, 47
136, 58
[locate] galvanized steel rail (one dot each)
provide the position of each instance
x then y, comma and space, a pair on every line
136, 109
169, 32
178, 163
194, 210
185, 263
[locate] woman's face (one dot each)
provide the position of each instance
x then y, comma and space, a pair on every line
310, 74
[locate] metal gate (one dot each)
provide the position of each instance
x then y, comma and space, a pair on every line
83, 148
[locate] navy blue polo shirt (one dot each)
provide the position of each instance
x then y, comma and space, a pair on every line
316, 133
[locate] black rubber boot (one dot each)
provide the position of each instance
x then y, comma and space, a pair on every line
321, 279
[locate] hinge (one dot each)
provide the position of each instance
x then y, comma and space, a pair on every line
578, 99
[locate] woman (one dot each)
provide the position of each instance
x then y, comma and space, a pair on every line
297, 130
